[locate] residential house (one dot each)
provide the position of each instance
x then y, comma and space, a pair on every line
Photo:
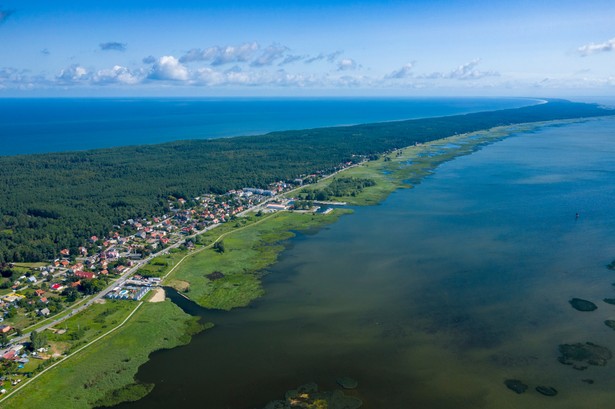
57, 287
85, 274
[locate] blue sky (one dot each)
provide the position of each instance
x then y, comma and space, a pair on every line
307, 48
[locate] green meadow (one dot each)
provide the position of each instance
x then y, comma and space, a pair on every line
103, 374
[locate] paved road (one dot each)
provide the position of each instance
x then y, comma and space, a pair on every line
133, 269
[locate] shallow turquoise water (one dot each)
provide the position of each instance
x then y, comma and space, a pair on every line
435, 297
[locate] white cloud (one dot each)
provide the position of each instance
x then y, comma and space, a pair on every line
117, 75
73, 75
346, 64
237, 76
403, 72
169, 68
222, 55
10, 77
269, 55
347, 81
463, 72
592, 48
575, 82
467, 72
209, 76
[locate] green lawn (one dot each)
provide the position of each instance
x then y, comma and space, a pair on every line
158, 266
103, 374
92, 322
31, 265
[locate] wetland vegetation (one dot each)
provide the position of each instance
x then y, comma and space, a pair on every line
232, 278
53, 201
103, 374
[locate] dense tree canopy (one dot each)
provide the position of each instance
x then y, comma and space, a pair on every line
57, 200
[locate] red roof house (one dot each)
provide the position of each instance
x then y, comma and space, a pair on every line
85, 274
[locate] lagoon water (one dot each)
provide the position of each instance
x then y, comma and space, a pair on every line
56, 125
433, 298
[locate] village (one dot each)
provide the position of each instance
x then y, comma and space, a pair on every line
32, 296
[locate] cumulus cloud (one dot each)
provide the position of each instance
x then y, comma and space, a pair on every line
592, 48
572, 82
349, 81
5, 14
8, 74
270, 55
222, 55
466, 71
209, 76
113, 46
117, 75
150, 59
347, 64
168, 68
403, 72
331, 57
20, 79
237, 76
74, 74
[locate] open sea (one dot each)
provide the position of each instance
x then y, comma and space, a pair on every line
73, 124
434, 298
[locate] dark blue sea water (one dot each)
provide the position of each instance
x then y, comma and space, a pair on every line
55, 125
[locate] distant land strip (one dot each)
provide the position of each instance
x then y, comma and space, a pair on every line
56, 200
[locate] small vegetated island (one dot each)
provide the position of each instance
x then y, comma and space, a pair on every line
70, 208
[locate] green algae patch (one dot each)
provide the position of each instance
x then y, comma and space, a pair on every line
248, 251
103, 374
515, 385
580, 355
546, 390
610, 324
582, 305
309, 397
347, 382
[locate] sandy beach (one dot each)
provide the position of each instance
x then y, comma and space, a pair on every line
159, 295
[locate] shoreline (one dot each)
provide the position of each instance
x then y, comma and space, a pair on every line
176, 169
243, 133
391, 172
425, 158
